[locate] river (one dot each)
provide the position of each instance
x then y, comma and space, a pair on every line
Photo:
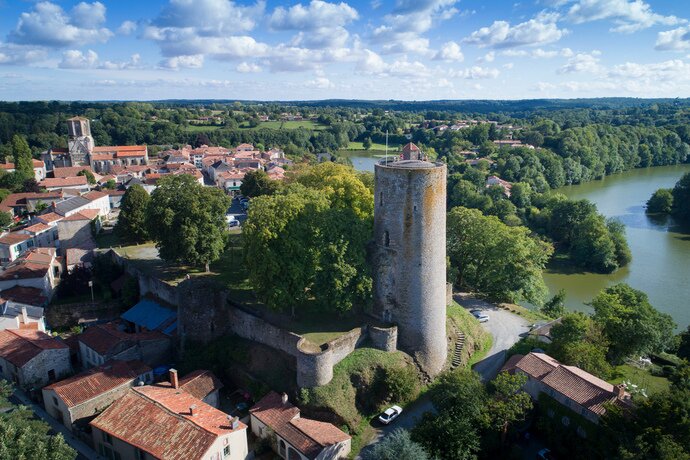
661, 252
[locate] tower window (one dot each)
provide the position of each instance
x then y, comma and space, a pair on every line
386, 238
380, 198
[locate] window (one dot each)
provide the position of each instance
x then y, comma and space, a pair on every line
386, 238
140, 454
55, 401
106, 437
51, 375
226, 451
380, 198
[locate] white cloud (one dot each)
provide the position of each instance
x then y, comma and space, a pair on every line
403, 28
211, 17
133, 63
317, 15
450, 51
488, 57
672, 70
627, 15
193, 61
75, 59
11, 53
537, 31
320, 83
248, 67
475, 73
538, 53
371, 63
49, 25
582, 62
127, 28
674, 40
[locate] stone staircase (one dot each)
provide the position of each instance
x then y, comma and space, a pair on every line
457, 352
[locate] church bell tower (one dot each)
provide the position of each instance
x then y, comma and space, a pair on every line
79, 141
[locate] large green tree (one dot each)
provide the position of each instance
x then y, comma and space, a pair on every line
307, 242
630, 323
257, 183
508, 403
490, 257
187, 220
396, 446
681, 199
661, 202
131, 224
23, 162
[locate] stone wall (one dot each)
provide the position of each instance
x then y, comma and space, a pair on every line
67, 315
384, 338
35, 372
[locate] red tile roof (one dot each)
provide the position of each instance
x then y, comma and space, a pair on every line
158, 420
63, 181
84, 214
14, 238
19, 346
35, 263
96, 381
102, 156
70, 171
572, 382
26, 295
410, 147
94, 195
49, 217
103, 338
309, 437
37, 228
19, 199
200, 383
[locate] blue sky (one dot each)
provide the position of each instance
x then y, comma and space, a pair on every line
373, 49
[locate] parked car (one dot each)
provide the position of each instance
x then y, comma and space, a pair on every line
481, 316
234, 223
545, 454
390, 414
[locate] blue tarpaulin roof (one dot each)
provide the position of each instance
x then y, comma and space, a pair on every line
152, 316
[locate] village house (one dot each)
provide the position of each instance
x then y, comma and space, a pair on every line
163, 421
18, 204
297, 438
93, 200
39, 169
203, 385
75, 401
31, 358
497, 181
148, 315
15, 315
37, 268
43, 235
77, 183
77, 230
13, 245
70, 171
573, 388
103, 342
24, 295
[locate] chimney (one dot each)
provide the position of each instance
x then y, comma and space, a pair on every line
173, 379
192, 410
234, 422
619, 391
25, 315
284, 398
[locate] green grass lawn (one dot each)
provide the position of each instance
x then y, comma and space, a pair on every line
374, 147
640, 377
201, 128
306, 124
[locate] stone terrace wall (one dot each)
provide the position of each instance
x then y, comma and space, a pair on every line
204, 313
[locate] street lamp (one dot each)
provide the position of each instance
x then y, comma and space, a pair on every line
91, 286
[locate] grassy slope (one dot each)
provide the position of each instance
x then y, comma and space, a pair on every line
477, 340
640, 377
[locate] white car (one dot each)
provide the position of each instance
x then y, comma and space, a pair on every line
481, 316
390, 414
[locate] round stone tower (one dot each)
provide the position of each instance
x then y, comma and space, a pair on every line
410, 255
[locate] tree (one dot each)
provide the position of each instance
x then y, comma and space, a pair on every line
684, 344
90, 178
555, 307
661, 202
578, 341
131, 224
24, 437
507, 403
110, 185
4, 193
396, 446
681, 199
257, 183
187, 220
490, 257
308, 240
5, 219
23, 162
367, 143
630, 323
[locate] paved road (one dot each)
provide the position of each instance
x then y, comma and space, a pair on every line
84, 451
505, 327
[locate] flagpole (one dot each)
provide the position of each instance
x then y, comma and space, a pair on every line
386, 146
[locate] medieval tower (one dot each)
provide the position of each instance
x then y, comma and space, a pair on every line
410, 268
79, 141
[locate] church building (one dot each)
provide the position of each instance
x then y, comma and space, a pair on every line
82, 151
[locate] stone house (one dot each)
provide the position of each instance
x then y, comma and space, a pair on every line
77, 230
297, 438
43, 235
39, 169
37, 268
573, 388
31, 358
24, 295
163, 421
77, 400
103, 342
